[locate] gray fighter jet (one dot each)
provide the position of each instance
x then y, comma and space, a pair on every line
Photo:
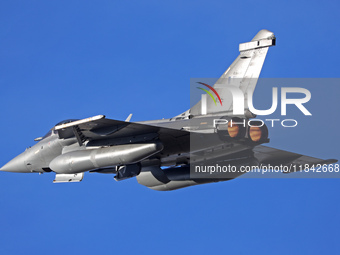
160, 153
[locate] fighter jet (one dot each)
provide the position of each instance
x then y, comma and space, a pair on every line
161, 153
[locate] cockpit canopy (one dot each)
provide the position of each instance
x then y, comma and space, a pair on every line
66, 121
49, 133
52, 131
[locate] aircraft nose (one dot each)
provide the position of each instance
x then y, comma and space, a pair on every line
16, 165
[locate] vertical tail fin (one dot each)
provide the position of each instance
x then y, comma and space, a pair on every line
241, 76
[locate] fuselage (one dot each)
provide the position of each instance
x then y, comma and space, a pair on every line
38, 158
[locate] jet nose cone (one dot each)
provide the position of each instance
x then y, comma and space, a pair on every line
16, 165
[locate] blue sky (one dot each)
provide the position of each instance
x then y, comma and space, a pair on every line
76, 59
